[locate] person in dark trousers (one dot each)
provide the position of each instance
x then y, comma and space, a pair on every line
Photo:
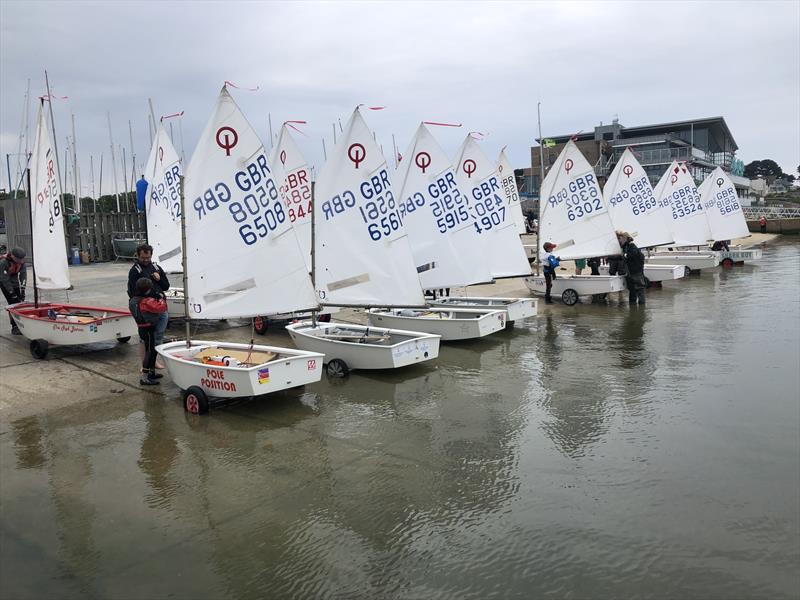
634, 266
145, 267
594, 265
550, 263
146, 310
13, 275
763, 223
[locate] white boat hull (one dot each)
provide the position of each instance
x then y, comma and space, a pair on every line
695, 260
582, 285
657, 273
516, 309
105, 324
343, 341
290, 368
451, 324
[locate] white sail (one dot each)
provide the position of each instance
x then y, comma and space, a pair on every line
293, 178
436, 216
633, 206
243, 257
688, 223
478, 177
572, 212
47, 214
508, 183
722, 206
362, 252
163, 202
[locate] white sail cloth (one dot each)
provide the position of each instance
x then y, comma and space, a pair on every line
362, 253
508, 184
163, 202
436, 216
293, 178
572, 212
478, 177
689, 224
633, 206
47, 213
242, 254
722, 206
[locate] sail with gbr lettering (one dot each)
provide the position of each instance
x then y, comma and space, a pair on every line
362, 253
508, 183
293, 179
688, 223
722, 206
633, 206
572, 212
163, 202
47, 213
443, 239
242, 254
479, 179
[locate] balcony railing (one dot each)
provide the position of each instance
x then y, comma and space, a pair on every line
753, 213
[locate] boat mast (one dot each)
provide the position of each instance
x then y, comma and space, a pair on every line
541, 181
184, 260
113, 159
33, 266
76, 201
313, 253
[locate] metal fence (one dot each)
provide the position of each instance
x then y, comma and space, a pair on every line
753, 213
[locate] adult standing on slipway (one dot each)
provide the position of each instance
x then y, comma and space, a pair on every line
634, 263
145, 267
13, 275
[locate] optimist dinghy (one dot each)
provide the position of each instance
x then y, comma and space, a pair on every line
63, 324
689, 224
726, 218
450, 323
445, 240
362, 258
163, 210
233, 200
575, 218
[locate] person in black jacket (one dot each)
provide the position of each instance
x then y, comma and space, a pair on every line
145, 267
634, 266
13, 276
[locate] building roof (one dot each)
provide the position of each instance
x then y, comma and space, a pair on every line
713, 123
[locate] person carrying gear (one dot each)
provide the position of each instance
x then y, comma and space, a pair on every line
13, 275
634, 266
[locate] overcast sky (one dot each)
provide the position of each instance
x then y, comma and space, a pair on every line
485, 65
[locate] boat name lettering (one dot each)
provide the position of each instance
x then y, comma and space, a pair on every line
685, 201
66, 327
296, 194
510, 189
167, 192
726, 201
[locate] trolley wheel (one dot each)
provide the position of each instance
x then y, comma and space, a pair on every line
337, 368
727, 262
39, 348
195, 400
124, 340
509, 324
569, 296
688, 272
326, 318
261, 325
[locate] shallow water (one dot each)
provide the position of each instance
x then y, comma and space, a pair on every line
599, 452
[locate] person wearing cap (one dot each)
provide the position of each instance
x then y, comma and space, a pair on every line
13, 275
550, 263
634, 266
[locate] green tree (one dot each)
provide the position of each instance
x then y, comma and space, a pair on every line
767, 168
